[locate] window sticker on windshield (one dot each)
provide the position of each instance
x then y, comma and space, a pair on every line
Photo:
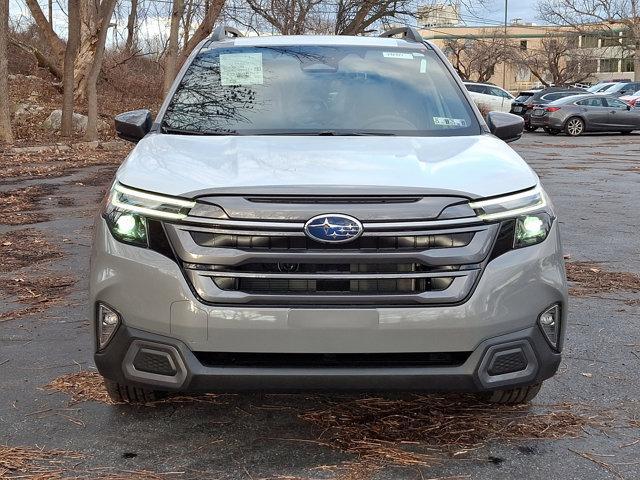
403, 56
423, 66
449, 122
241, 69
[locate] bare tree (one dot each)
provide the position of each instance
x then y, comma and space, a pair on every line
130, 43
98, 18
356, 17
5, 114
73, 7
476, 59
171, 57
287, 17
592, 16
174, 57
558, 61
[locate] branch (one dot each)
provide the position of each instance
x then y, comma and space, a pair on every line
42, 60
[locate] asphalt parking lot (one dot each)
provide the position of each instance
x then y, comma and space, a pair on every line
54, 421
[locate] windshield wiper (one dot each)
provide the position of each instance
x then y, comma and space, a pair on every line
179, 131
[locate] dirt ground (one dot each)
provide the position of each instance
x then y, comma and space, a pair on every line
56, 421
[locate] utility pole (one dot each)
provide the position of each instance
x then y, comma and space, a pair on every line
504, 62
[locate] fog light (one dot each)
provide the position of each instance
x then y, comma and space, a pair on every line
549, 322
108, 321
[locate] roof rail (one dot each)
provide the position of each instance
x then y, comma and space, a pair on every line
222, 32
408, 33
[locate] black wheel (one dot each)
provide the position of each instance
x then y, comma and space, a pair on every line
514, 396
122, 393
530, 128
551, 131
574, 126
626, 132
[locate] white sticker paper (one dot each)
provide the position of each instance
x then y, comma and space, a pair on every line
449, 122
403, 56
423, 66
241, 69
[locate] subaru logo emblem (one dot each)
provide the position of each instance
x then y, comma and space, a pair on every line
333, 228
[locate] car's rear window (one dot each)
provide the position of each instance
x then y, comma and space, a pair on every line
523, 96
330, 90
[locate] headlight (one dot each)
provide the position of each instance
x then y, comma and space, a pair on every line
127, 210
526, 218
509, 206
531, 229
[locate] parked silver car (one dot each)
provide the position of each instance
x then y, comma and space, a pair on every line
325, 212
586, 113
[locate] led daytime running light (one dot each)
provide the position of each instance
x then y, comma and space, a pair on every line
169, 202
178, 202
536, 193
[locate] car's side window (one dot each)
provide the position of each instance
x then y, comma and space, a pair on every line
591, 102
475, 88
614, 103
497, 92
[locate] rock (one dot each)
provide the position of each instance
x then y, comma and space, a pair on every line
54, 121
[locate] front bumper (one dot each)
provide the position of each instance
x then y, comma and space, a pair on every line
117, 362
159, 309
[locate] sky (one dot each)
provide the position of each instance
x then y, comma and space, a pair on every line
493, 13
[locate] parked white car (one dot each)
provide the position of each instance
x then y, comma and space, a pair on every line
495, 98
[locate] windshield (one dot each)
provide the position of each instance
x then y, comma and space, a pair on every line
322, 90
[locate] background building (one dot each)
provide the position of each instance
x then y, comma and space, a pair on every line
608, 49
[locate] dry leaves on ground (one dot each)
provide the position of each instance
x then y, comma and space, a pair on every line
37, 293
88, 385
33, 463
423, 430
20, 206
589, 278
21, 248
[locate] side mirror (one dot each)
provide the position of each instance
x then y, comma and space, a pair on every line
134, 125
505, 126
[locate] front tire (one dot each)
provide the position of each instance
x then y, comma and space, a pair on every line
574, 126
514, 396
122, 393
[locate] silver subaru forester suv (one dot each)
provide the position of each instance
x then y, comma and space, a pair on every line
325, 212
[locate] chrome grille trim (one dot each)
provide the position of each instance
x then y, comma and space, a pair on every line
298, 226
190, 252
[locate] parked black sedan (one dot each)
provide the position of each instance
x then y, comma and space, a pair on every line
526, 101
577, 114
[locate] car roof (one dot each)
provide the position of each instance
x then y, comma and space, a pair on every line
270, 40
573, 98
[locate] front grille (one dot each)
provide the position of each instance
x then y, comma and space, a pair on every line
267, 262
337, 286
333, 360
292, 242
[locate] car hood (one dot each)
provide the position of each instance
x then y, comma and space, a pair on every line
472, 166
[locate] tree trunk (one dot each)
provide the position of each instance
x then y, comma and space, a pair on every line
171, 59
636, 61
69, 60
204, 29
101, 22
131, 25
5, 114
57, 45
